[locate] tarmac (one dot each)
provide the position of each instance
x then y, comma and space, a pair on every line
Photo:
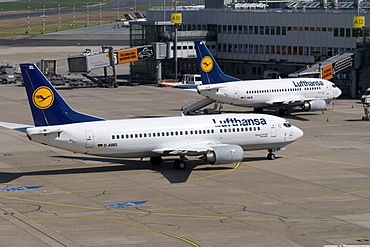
315, 193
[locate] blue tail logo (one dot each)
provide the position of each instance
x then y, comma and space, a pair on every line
43, 97
47, 106
210, 72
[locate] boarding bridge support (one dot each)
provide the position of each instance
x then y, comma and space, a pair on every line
195, 106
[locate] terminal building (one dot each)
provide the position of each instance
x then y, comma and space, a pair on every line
261, 40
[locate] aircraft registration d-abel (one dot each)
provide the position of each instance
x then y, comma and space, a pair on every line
307, 94
217, 139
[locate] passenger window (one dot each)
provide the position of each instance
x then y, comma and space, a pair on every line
113, 137
122, 136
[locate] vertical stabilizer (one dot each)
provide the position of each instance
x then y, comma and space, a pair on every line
210, 71
47, 106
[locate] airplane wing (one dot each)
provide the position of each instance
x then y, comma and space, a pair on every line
191, 149
15, 126
292, 102
179, 85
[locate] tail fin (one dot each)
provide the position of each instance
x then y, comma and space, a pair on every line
139, 15
128, 17
47, 105
208, 67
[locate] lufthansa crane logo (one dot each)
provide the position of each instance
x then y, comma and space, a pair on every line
43, 98
206, 64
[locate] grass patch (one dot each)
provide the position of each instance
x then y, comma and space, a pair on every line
52, 4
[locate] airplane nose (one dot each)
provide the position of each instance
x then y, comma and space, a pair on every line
338, 93
296, 133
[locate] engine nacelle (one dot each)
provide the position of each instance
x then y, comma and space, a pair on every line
314, 105
224, 155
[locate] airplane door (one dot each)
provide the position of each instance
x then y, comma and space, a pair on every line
89, 139
273, 128
236, 94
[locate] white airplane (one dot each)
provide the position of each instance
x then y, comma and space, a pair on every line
308, 94
217, 139
129, 19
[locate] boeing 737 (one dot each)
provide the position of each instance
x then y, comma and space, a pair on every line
307, 94
217, 139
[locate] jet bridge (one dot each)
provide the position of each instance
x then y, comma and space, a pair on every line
328, 68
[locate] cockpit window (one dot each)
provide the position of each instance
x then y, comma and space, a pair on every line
333, 85
367, 92
287, 124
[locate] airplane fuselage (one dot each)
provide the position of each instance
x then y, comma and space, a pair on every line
266, 93
155, 136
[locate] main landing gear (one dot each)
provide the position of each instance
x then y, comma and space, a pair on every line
271, 155
178, 164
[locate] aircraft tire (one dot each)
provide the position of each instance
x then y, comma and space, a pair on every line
271, 156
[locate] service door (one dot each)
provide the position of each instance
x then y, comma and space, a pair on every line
273, 128
89, 139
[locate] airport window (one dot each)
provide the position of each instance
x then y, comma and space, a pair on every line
240, 29
229, 29
336, 32
283, 30
256, 30
219, 29
272, 49
250, 29
199, 27
278, 49
224, 28
323, 29
235, 29
272, 30
306, 28
295, 28
348, 32
235, 50
341, 32
312, 29
267, 50
229, 48
267, 30
245, 29
262, 30
240, 50
278, 31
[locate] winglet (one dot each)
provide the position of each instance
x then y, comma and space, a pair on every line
47, 106
208, 67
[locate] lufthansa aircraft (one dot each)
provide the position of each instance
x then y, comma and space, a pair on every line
217, 139
308, 94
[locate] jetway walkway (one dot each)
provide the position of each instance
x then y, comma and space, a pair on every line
329, 68
195, 106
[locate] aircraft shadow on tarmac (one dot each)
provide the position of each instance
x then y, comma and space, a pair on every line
166, 169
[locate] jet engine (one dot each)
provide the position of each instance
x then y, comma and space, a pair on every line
224, 155
314, 105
